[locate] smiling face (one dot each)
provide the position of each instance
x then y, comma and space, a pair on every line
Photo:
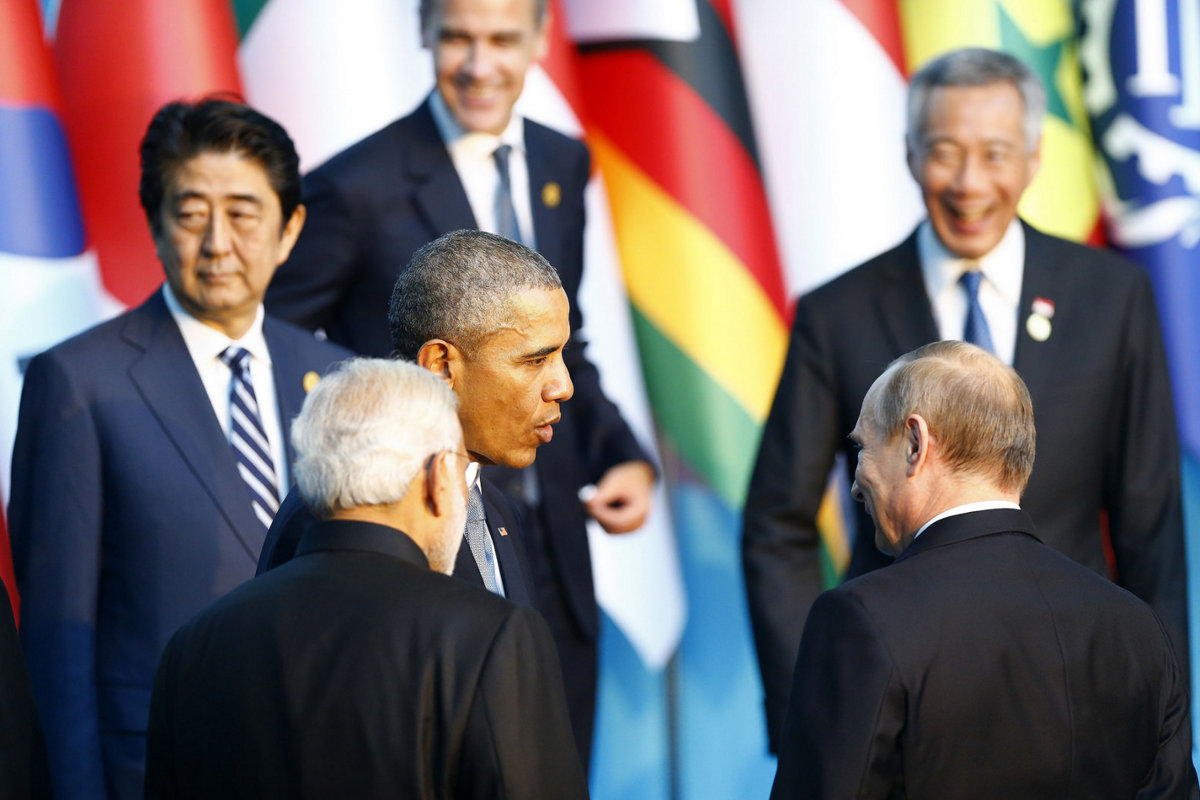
222, 237
481, 52
974, 163
510, 387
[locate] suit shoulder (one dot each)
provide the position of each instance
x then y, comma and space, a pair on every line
864, 278
549, 137
361, 159
309, 350
1089, 265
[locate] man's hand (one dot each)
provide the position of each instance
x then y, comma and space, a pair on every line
621, 499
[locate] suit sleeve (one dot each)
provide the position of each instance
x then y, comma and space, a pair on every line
308, 288
1173, 774
607, 439
1142, 486
160, 767
55, 517
518, 742
841, 738
780, 543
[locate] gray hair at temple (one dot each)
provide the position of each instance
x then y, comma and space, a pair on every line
974, 66
976, 406
429, 9
367, 429
460, 287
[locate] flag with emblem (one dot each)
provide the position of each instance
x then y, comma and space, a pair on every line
1142, 62
51, 279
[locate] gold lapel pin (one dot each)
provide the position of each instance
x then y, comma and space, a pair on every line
551, 194
309, 381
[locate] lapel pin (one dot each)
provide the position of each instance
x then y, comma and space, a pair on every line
310, 381
1038, 325
551, 194
502, 531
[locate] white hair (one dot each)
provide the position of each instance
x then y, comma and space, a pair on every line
367, 429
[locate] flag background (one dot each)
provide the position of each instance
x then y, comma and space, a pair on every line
824, 82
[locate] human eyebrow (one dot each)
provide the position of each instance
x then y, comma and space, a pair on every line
541, 353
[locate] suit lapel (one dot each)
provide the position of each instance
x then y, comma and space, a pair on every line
167, 380
1035, 361
541, 175
902, 305
289, 384
439, 197
501, 525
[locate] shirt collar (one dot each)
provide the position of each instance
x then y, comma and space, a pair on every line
1003, 266
473, 144
205, 342
967, 508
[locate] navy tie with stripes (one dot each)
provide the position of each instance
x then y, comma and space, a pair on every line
248, 438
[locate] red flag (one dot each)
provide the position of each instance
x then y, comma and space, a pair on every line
116, 68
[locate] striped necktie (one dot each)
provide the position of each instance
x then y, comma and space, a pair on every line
248, 438
506, 213
976, 331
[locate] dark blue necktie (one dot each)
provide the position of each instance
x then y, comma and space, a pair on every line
248, 438
976, 330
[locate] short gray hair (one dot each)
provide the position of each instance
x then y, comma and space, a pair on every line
974, 66
365, 431
428, 15
459, 288
976, 405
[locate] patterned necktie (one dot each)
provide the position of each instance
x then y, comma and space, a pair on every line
506, 213
479, 540
248, 439
976, 330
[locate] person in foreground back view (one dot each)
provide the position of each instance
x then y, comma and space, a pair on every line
981, 663
359, 669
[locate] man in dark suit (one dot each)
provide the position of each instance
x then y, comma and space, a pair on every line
395, 681
982, 663
489, 316
1078, 324
146, 468
437, 170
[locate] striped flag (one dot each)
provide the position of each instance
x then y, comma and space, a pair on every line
833, 155
117, 67
670, 129
50, 277
1041, 34
1142, 61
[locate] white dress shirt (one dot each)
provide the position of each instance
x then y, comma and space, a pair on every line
999, 292
205, 345
471, 152
967, 508
473, 481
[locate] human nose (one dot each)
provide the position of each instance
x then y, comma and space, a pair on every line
479, 61
559, 387
970, 175
217, 241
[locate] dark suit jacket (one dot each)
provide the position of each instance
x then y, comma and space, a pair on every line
983, 664
294, 517
1106, 444
369, 209
127, 516
24, 772
354, 671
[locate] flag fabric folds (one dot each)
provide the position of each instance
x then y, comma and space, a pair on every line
50, 277
1142, 62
